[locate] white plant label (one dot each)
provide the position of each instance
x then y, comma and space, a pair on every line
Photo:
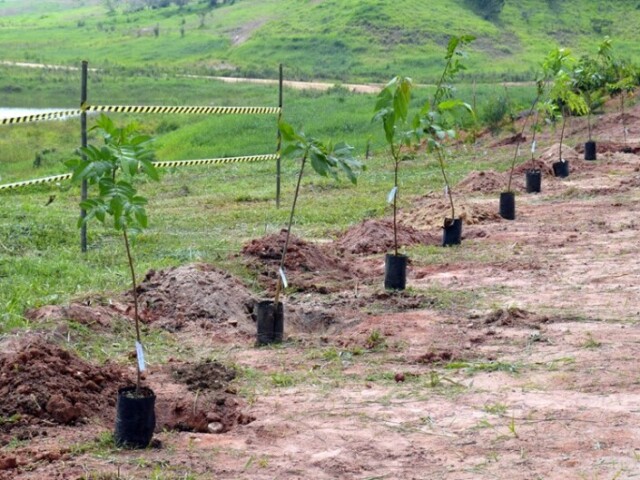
284, 278
140, 356
392, 195
446, 190
533, 147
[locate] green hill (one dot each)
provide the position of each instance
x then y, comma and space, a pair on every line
337, 40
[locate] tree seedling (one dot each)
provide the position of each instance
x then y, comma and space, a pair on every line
124, 157
621, 78
327, 159
439, 117
562, 95
392, 108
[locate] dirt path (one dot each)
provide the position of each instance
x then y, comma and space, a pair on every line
370, 88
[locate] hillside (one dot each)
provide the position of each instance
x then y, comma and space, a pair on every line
337, 40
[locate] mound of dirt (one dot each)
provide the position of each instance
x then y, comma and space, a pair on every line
430, 213
376, 236
488, 181
308, 267
538, 164
201, 401
204, 376
97, 317
514, 317
41, 382
196, 293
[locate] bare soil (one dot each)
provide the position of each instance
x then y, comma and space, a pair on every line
513, 355
376, 236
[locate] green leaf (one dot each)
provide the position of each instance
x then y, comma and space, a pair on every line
319, 162
287, 131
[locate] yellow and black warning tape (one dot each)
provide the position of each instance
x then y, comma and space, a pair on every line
174, 163
36, 181
213, 161
182, 109
38, 117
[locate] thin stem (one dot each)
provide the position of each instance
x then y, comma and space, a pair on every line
446, 182
624, 123
286, 241
515, 155
135, 302
533, 140
396, 165
564, 122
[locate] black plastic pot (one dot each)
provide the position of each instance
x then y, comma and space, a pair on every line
561, 169
534, 180
135, 417
508, 205
270, 322
590, 150
452, 232
395, 271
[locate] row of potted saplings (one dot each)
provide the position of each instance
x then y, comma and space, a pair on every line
126, 154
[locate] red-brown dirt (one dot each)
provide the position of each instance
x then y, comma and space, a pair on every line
513, 355
41, 383
307, 267
197, 295
376, 236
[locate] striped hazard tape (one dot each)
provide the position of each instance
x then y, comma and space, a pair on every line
183, 109
37, 181
212, 161
175, 163
38, 117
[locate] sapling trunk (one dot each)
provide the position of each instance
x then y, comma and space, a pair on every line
564, 122
533, 142
396, 165
286, 240
515, 155
589, 122
446, 182
624, 122
135, 303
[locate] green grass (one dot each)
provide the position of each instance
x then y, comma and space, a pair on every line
338, 40
196, 213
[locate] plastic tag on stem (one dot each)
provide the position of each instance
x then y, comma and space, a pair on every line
533, 147
283, 277
392, 195
140, 356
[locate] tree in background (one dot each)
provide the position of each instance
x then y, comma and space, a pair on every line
621, 77
489, 9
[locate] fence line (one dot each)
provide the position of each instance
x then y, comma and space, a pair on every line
165, 164
202, 110
181, 109
38, 117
